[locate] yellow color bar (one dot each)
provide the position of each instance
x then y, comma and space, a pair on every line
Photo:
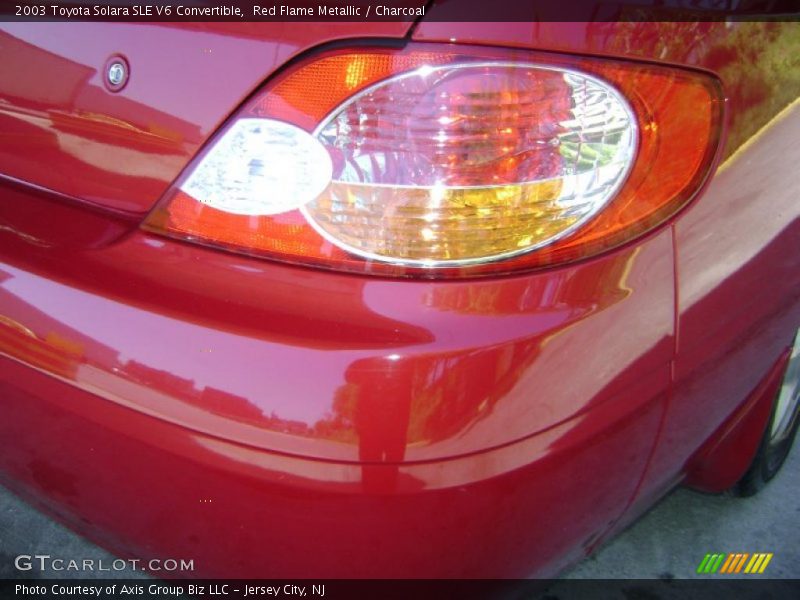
756, 557
765, 563
759, 562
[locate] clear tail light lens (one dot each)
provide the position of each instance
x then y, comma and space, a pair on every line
439, 163
471, 162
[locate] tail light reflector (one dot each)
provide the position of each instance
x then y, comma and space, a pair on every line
442, 162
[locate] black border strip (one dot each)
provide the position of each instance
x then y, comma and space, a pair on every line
386, 589
366, 11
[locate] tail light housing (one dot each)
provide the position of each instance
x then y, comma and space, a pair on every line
441, 161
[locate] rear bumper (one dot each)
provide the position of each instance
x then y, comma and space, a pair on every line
170, 400
148, 489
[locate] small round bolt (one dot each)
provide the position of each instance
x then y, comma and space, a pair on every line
117, 73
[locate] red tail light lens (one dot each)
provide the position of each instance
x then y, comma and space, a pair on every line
428, 162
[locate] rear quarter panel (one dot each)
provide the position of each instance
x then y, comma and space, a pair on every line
737, 262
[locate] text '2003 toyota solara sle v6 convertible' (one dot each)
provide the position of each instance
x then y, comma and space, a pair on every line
395, 299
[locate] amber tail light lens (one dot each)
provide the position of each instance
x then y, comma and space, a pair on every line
448, 162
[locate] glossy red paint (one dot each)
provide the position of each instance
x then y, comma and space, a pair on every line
719, 464
739, 287
230, 346
172, 400
123, 150
738, 296
144, 487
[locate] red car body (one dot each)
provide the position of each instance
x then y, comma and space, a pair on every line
167, 399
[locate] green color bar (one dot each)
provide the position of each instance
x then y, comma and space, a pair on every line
703, 563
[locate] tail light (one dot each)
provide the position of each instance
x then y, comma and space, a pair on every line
445, 162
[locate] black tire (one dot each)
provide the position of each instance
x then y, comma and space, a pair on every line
771, 452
